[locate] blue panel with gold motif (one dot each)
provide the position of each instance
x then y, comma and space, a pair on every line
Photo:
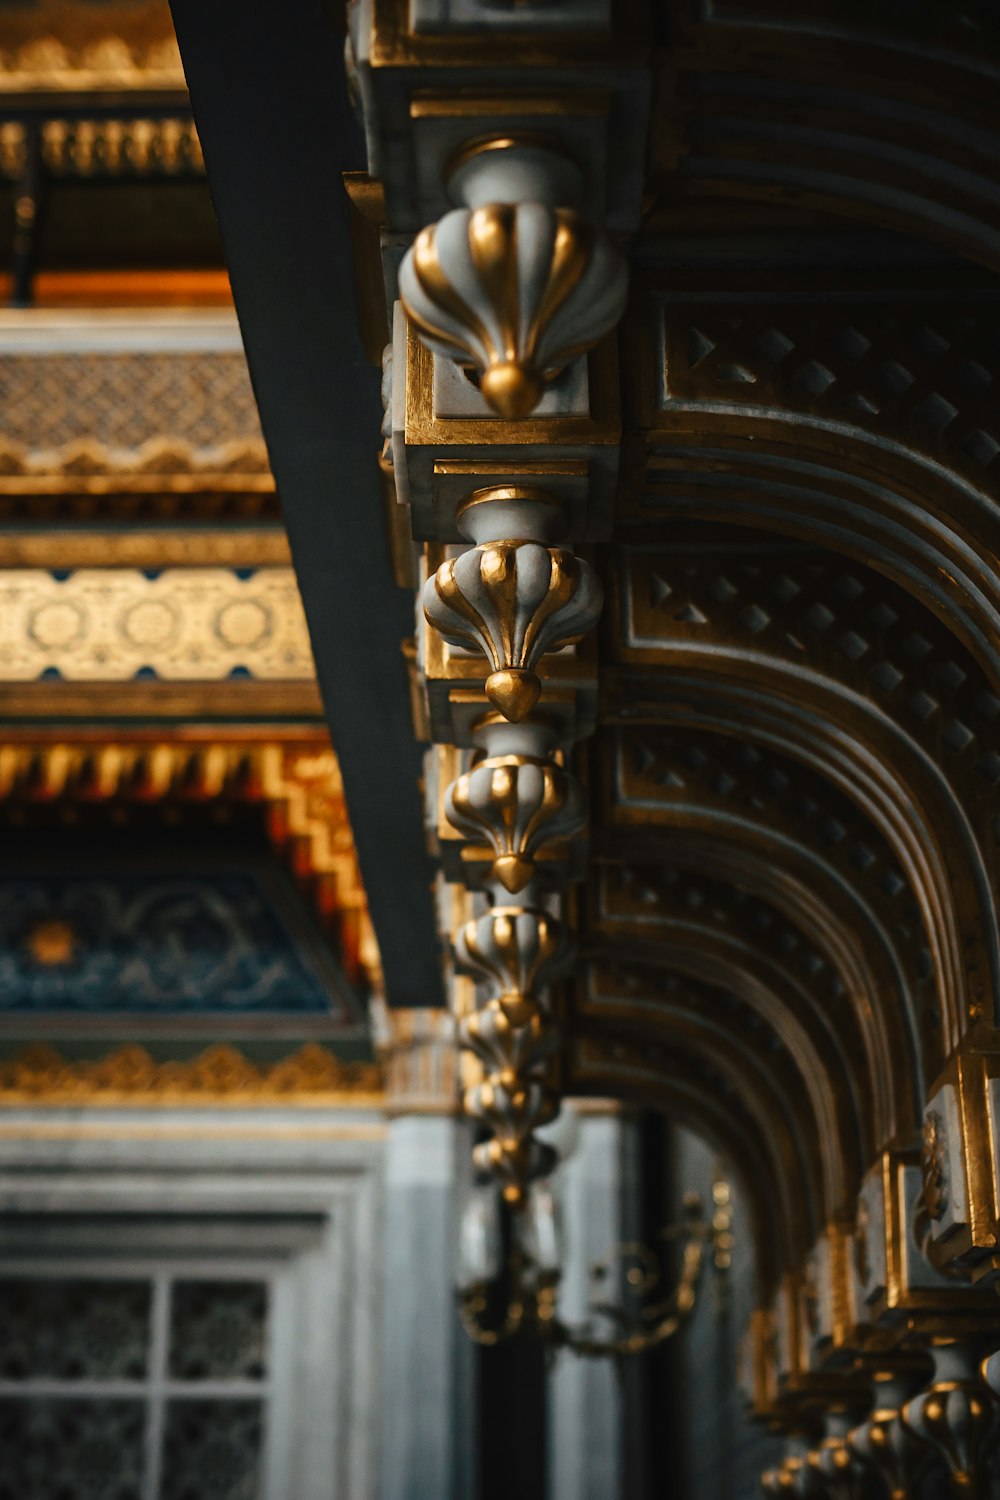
229, 941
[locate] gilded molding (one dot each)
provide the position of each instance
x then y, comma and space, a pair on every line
159, 465
219, 1076
58, 46
515, 602
163, 547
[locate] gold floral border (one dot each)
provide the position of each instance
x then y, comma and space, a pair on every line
221, 1075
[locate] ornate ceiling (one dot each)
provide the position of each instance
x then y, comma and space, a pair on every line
763, 794
182, 911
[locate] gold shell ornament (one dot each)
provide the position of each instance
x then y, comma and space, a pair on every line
516, 803
885, 1442
511, 1037
514, 601
514, 1156
520, 948
514, 292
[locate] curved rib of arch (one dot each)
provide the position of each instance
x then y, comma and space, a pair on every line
901, 790
688, 1020
814, 897
716, 958
829, 123
780, 1238
940, 549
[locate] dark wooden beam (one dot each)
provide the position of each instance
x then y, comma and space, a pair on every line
270, 101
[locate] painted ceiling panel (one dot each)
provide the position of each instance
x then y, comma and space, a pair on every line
222, 939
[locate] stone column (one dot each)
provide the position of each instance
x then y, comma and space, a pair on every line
427, 1408
586, 1401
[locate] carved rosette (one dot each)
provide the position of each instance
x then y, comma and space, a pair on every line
514, 292
954, 1416
517, 804
934, 1165
514, 601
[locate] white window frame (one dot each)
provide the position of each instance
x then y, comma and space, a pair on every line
293, 1195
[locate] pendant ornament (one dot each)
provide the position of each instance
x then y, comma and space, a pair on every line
514, 601
521, 948
884, 1441
517, 804
514, 292
954, 1415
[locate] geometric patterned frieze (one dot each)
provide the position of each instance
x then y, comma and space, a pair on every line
156, 398
922, 373
121, 941
185, 624
856, 626
123, 398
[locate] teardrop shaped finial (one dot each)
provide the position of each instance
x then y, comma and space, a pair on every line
513, 390
514, 692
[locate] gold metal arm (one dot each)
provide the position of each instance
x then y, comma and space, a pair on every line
532, 1302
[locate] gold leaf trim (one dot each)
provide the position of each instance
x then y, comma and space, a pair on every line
61, 45
160, 458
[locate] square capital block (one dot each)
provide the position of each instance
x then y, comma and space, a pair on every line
959, 1162
447, 443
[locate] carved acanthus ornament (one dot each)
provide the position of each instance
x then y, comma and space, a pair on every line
792, 1477
515, 601
834, 1469
524, 806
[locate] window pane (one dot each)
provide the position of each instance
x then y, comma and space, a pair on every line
77, 1450
71, 1330
211, 1450
217, 1330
